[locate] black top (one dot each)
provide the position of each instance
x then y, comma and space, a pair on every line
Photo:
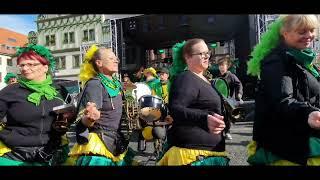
27, 124
110, 108
235, 85
191, 100
286, 94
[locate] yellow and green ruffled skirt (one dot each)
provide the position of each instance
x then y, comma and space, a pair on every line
59, 159
263, 157
177, 156
95, 153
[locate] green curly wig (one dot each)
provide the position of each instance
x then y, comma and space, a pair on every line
41, 50
9, 76
178, 65
269, 40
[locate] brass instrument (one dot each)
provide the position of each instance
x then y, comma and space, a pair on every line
132, 115
131, 104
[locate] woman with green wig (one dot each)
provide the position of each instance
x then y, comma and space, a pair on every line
32, 134
196, 136
99, 139
10, 78
287, 117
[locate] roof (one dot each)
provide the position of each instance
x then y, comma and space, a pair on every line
11, 39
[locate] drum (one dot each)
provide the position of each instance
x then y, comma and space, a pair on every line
222, 86
151, 108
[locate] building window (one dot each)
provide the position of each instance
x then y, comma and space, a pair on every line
47, 40
50, 40
91, 35
105, 29
85, 36
76, 61
68, 37
53, 40
88, 35
0, 77
8, 47
71, 37
0, 60
65, 38
12, 40
105, 33
9, 62
61, 62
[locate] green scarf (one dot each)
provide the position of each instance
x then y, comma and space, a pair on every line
305, 58
113, 86
39, 89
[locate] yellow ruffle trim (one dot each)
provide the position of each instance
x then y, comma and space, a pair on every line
176, 156
3, 149
251, 148
95, 146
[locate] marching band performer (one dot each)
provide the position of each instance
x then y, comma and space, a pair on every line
148, 132
31, 135
164, 79
153, 81
99, 139
195, 137
287, 117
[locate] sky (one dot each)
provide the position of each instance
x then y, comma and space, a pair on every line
22, 23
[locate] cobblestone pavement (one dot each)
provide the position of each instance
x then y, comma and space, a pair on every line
241, 135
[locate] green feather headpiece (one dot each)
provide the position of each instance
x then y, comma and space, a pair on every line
269, 40
178, 64
9, 76
41, 50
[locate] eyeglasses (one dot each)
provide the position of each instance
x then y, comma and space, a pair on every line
203, 54
29, 65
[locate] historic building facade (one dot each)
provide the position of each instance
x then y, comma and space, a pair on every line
63, 34
9, 40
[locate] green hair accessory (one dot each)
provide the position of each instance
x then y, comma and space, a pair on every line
41, 50
178, 64
269, 40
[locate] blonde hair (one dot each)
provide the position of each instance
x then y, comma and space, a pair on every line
88, 68
299, 21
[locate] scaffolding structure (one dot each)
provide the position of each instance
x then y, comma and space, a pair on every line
262, 22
